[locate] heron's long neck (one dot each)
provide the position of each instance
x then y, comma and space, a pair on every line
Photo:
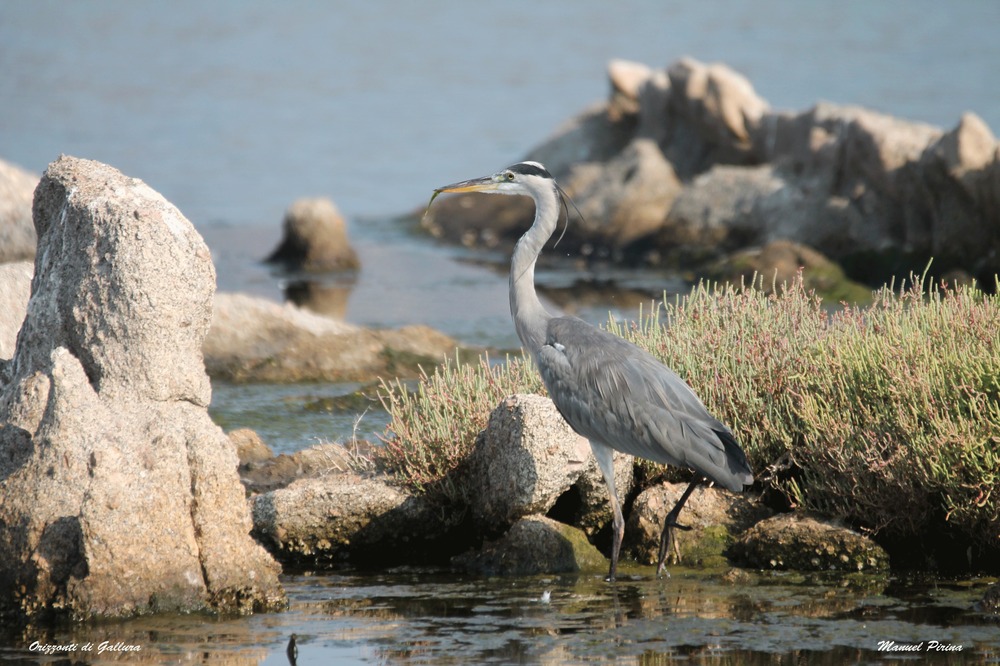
530, 318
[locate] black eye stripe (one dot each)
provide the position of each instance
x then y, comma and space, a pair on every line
527, 169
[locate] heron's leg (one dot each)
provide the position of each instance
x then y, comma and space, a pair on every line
671, 522
605, 461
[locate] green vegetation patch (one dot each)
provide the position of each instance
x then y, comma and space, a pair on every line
887, 416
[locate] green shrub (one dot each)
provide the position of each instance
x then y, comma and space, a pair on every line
900, 422
889, 415
433, 428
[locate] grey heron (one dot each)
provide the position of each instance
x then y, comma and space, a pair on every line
609, 390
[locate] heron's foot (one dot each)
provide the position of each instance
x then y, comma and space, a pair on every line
668, 543
671, 523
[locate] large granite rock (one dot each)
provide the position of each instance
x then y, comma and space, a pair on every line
118, 495
524, 460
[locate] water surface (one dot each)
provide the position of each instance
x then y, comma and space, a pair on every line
425, 616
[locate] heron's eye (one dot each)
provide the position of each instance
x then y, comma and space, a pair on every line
509, 175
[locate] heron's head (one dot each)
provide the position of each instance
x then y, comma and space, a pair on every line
529, 178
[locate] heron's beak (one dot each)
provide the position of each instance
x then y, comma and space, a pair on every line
484, 184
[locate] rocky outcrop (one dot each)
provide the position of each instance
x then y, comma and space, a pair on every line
118, 495
17, 233
253, 339
805, 543
685, 165
315, 239
529, 500
315, 510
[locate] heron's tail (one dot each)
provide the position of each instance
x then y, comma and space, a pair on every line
739, 466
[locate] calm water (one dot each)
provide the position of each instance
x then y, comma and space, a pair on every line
428, 617
233, 110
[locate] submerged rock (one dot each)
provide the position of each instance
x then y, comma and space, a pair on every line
118, 495
803, 543
315, 239
534, 545
716, 517
990, 603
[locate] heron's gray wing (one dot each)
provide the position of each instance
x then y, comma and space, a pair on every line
612, 391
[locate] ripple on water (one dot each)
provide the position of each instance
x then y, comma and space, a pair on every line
430, 616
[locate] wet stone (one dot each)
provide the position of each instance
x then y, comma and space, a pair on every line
716, 517
802, 543
534, 545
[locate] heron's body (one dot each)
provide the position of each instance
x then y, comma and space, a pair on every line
610, 391
615, 393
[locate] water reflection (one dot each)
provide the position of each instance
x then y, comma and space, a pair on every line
691, 616
327, 296
409, 616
